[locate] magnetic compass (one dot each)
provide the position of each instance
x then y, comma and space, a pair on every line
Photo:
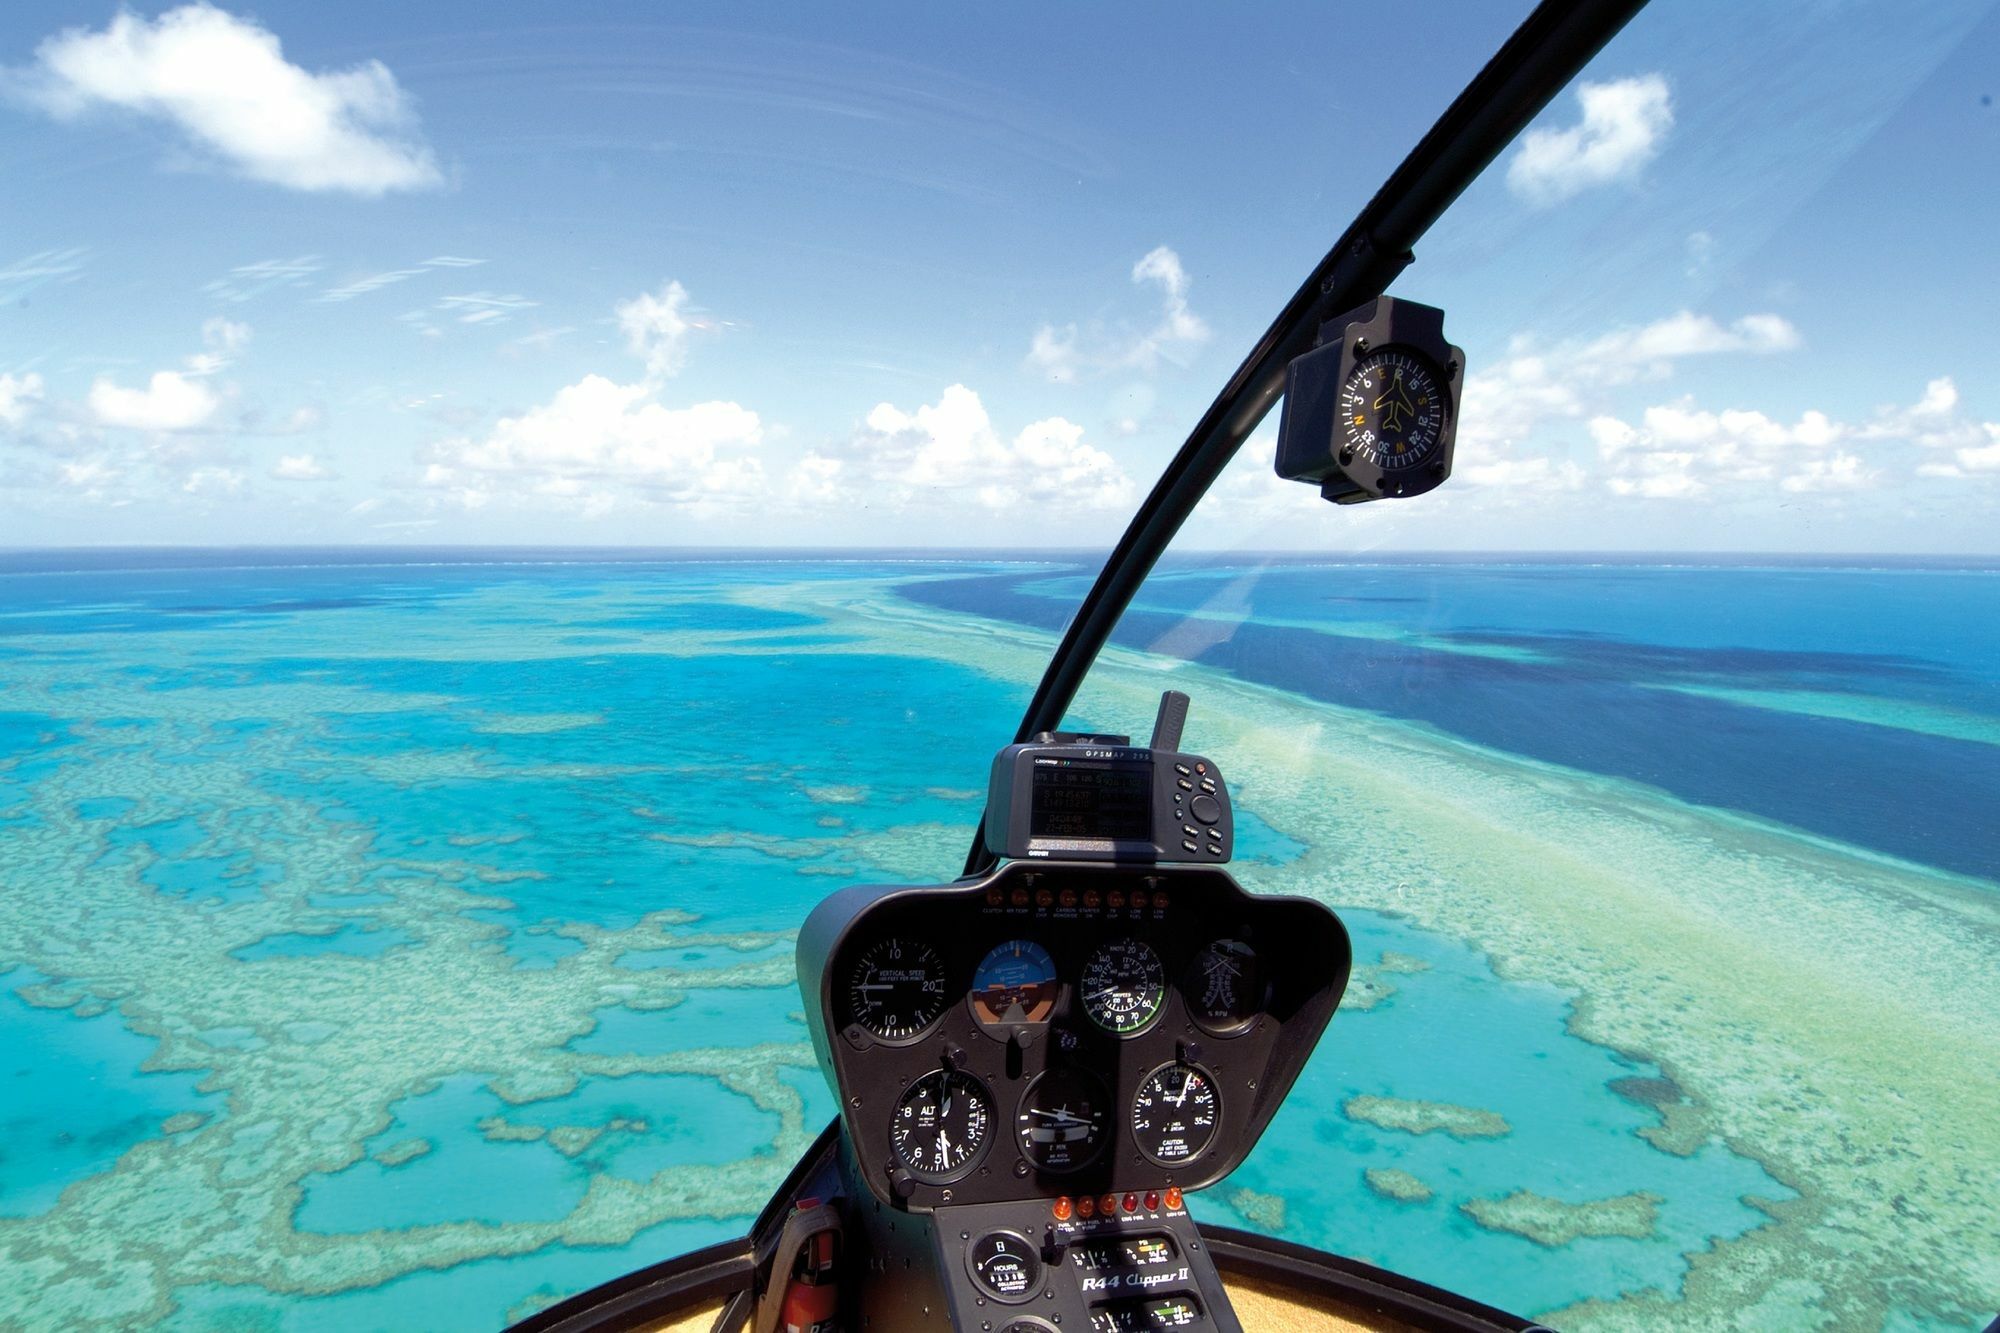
1371, 411
1392, 410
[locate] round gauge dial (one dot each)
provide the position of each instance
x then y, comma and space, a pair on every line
1175, 1114
1225, 987
1392, 410
1061, 1124
1014, 983
896, 988
942, 1124
1124, 986
1006, 1265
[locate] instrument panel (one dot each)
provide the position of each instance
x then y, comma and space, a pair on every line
1064, 1029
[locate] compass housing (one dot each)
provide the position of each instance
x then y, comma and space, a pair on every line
1331, 433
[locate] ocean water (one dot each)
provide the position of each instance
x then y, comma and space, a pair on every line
395, 941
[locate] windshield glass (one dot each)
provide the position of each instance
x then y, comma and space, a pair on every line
1670, 869
400, 855
397, 900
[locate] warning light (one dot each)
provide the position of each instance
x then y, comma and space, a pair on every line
1160, 899
1020, 897
1091, 898
993, 898
1131, 1203
1044, 898
1139, 898
1068, 898
1116, 898
1173, 1197
1152, 1200
1064, 1208
1108, 1204
1086, 1208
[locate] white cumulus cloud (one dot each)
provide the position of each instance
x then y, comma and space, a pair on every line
1623, 126
1508, 405
950, 449
171, 400
597, 441
221, 340
299, 467
1064, 354
20, 395
656, 329
225, 84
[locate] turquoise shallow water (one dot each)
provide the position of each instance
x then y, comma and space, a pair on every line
424, 932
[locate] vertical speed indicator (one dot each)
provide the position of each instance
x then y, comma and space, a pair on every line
896, 988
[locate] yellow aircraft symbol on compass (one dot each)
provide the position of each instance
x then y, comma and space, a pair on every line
1394, 405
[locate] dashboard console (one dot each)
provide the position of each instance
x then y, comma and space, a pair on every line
1042, 1062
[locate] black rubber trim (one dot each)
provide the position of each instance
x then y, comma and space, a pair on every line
1305, 1274
1548, 50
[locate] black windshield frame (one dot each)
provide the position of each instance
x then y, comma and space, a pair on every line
1550, 48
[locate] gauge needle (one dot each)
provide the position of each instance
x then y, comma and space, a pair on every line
944, 1149
1108, 990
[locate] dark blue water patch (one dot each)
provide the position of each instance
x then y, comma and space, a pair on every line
105, 807
166, 838
352, 940
1925, 798
796, 641
688, 746
703, 615
701, 956
230, 879
468, 1173
73, 1099
670, 1120
30, 733
463, 1177
724, 1016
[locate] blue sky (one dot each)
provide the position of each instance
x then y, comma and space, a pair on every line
920, 275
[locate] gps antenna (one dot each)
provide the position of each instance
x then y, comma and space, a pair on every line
1167, 726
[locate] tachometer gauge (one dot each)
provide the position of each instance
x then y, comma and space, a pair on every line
1124, 986
1225, 987
1392, 410
1015, 983
896, 988
1175, 1114
942, 1125
1061, 1124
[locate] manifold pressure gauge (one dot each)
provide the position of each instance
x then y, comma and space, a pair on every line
1371, 412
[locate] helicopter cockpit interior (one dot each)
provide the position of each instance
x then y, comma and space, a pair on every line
1036, 1065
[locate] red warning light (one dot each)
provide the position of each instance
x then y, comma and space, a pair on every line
1086, 1207
1173, 1197
1063, 1208
1152, 1200
1131, 1203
